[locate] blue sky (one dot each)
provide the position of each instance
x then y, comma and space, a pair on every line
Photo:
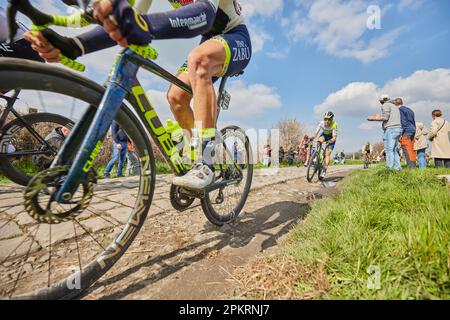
314, 56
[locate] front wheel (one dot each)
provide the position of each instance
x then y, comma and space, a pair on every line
313, 166
62, 249
234, 163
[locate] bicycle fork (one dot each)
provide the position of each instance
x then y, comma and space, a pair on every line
120, 84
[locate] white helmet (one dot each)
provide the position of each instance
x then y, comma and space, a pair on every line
384, 98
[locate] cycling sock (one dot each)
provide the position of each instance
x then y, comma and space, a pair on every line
207, 136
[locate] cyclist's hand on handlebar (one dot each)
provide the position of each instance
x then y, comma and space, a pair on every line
50, 45
40, 44
123, 24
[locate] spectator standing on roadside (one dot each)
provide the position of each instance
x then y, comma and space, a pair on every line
133, 164
392, 131
120, 143
408, 121
291, 156
421, 145
266, 156
281, 153
440, 140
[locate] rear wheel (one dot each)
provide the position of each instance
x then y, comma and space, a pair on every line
234, 162
22, 153
57, 251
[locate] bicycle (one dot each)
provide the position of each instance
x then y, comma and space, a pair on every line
23, 138
62, 195
316, 160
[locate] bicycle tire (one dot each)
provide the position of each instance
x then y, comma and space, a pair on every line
38, 76
312, 168
6, 167
210, 212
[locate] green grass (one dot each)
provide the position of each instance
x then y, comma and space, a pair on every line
352, 162
397, 222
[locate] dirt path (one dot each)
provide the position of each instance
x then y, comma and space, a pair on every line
182, 256
175, 255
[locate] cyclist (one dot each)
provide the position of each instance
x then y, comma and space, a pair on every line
224, 50
304, 149
329, 129
367, 150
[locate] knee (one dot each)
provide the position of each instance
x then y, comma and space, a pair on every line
200, 65
178, 100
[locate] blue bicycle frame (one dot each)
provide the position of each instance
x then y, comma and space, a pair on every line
97, 122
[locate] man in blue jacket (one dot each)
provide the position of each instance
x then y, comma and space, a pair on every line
120, 140
408, 122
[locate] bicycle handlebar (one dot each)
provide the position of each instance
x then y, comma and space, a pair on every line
42, 21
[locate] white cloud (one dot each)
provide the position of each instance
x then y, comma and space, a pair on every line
340, 28
422, 91
263, 8
409, 4
248, 100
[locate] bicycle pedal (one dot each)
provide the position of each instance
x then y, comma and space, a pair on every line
224, 100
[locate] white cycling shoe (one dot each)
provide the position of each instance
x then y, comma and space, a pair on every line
199, 177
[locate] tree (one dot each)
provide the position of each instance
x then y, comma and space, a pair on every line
291, 132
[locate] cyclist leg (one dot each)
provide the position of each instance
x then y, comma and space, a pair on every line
210, 60
329, 149
179, 101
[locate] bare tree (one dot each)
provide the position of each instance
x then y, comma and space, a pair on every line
378, 148
291, 132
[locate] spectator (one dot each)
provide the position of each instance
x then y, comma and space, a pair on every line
291, 156
266, 156
133, 164
392, 131
281, 153
440, 140
420, 144
342, 155
408, 121
55, 139
120, 142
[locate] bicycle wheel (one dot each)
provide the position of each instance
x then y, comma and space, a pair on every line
224, 205
46, 260
313, 166
28, 154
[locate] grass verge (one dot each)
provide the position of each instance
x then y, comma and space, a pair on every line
385, 236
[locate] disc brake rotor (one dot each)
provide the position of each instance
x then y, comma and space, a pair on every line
39, 196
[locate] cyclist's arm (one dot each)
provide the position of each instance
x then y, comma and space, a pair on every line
185, 22
319, 127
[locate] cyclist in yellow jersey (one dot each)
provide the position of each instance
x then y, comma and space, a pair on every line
225, 50
329, 129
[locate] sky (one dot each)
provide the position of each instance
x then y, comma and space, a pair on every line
315, 56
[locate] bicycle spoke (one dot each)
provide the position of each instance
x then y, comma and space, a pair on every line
26, 257
93, 238
14, 250
49, 253
102, 217
78, 249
